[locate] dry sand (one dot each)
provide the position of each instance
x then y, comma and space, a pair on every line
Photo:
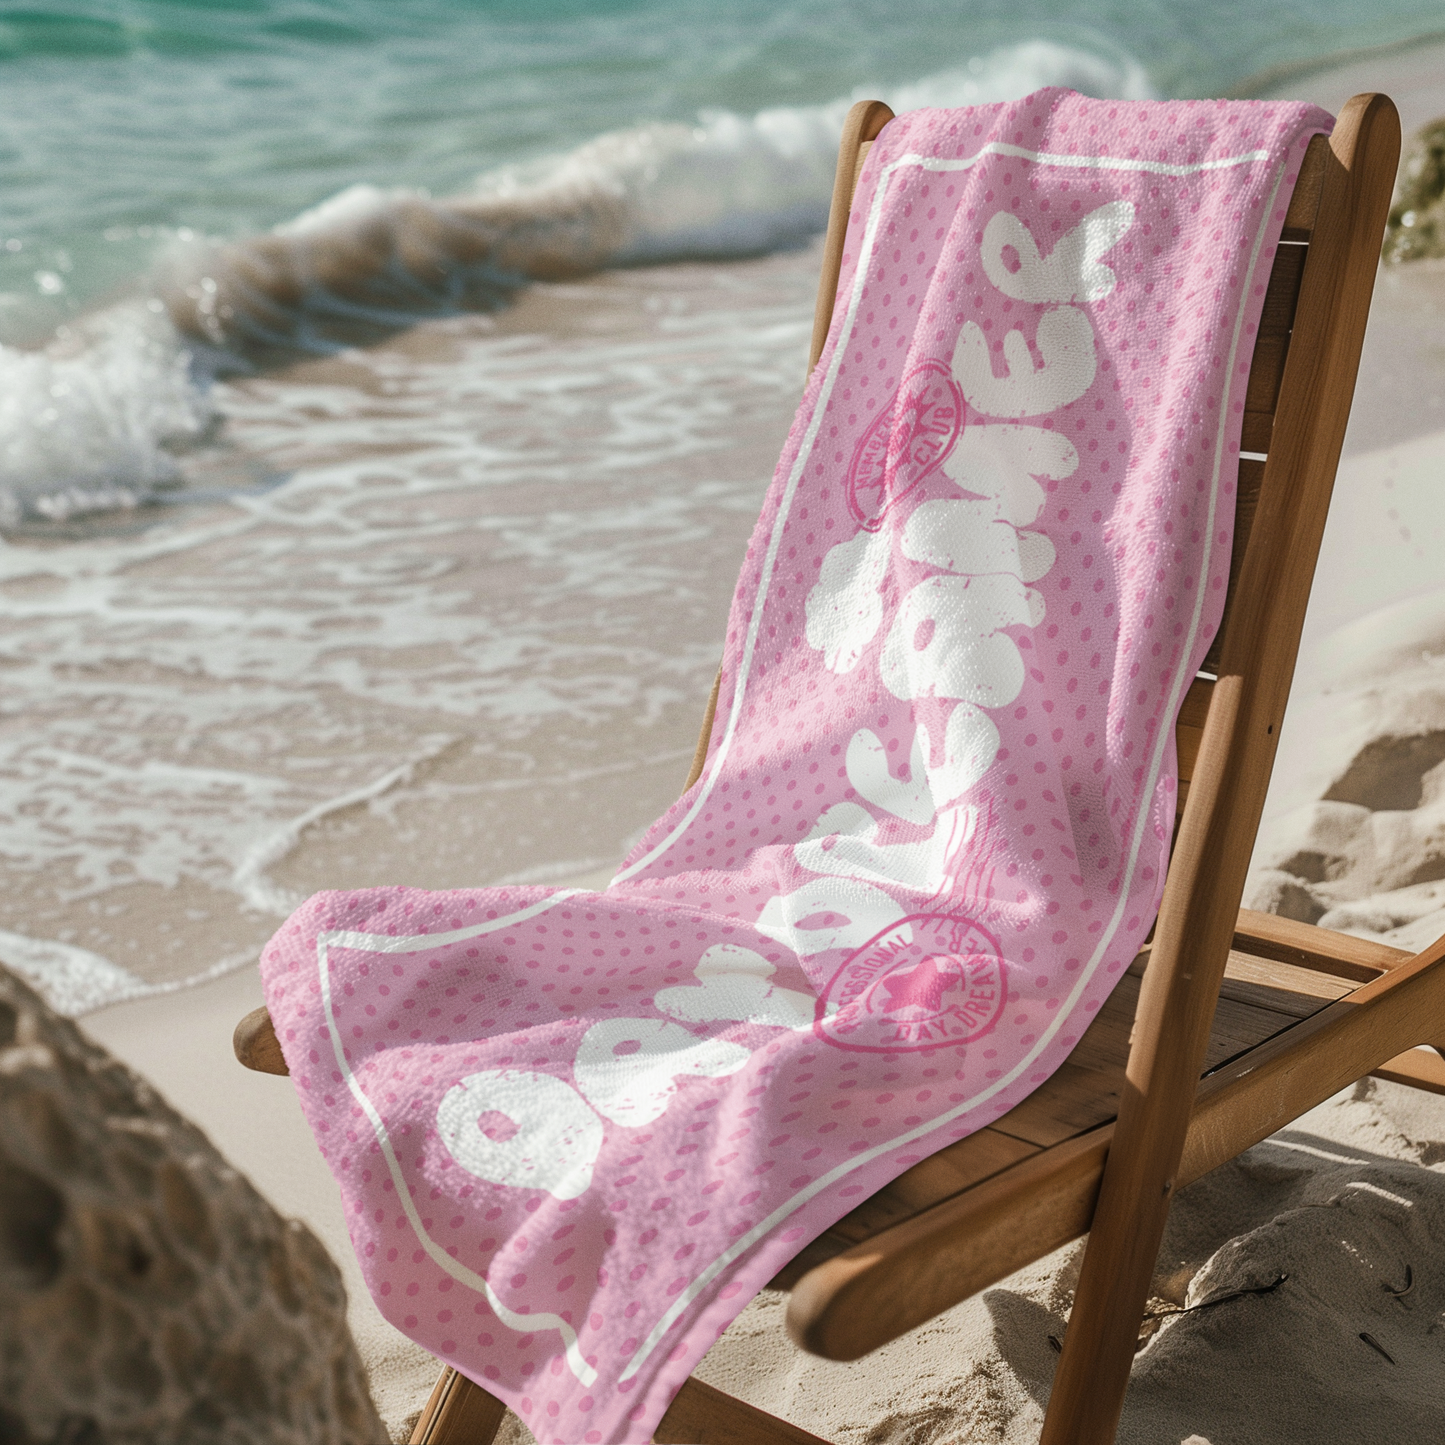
1326, 1223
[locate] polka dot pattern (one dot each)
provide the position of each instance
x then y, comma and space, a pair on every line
715, 1138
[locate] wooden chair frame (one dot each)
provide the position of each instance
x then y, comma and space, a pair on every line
1232, 1023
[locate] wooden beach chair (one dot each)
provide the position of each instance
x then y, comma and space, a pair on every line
1232, 1023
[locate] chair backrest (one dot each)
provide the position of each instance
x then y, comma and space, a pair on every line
1300, 388
1271, 350
1266, 374
1297, 405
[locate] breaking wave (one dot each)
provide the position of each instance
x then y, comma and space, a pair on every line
95, 421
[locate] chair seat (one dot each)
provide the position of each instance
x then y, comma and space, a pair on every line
1279, 974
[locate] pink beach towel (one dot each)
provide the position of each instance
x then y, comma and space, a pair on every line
576, 1132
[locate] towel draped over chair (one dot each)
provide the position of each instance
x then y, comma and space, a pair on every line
575, 1131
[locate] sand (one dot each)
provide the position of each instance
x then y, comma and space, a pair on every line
1341, 1202
1314, 1234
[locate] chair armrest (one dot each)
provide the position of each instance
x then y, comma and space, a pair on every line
1266, 935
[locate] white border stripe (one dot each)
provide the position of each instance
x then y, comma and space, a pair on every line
1104, 163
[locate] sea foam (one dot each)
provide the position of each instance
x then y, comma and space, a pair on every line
93, 422
728, 186
74, 981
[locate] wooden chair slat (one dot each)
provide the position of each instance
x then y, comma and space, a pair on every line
1417, 1068
1067, 1103
1246, 504
1268, 936
1240, 1024
1304, 201
1281, 296
1189, 734
1282, 987
1257, 432
1194, 710
1266, 372
1186, 741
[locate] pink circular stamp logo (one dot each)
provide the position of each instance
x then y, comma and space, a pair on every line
904, 444
924, 983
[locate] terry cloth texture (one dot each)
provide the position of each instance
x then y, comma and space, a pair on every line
576, 1132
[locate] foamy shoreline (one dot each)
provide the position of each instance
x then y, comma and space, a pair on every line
1353, 1191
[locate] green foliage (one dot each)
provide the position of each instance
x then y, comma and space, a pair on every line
1416, 227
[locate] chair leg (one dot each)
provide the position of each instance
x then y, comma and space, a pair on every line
459, 1412
701, 1415
1103, 1331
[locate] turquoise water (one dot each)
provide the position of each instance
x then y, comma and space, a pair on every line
139, 139
119, 117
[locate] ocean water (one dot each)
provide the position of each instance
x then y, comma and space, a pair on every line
270, 175
386, 392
